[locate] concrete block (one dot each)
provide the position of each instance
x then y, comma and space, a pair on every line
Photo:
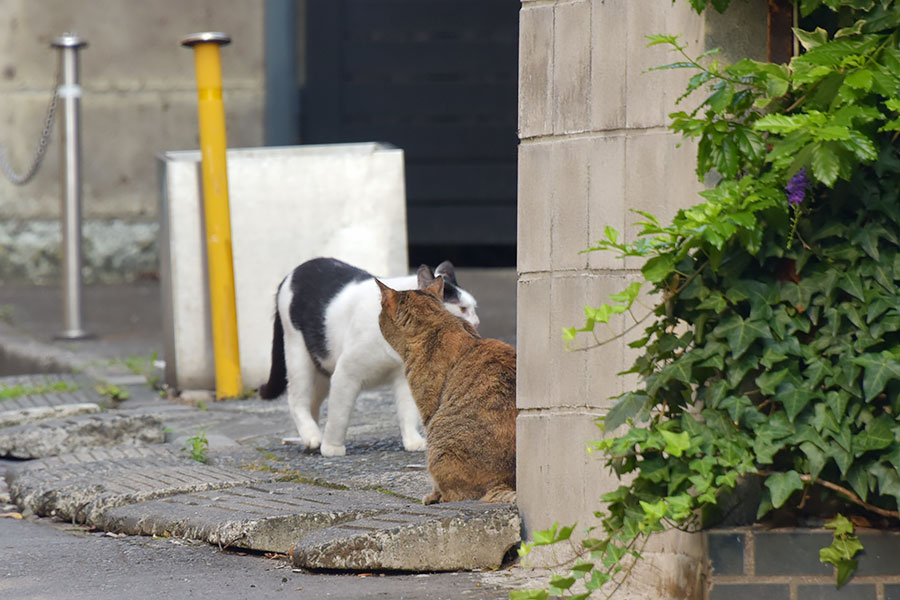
57, 436
144, 46
287, 205
448, 537
532, 333
139, 94
22, 116
269, 517
80, 488
556, 479
652, 94
572, 67
535, 207
609, 75
660, 179
570, 180
606, 197
740, 32
24, 416
119, 178
566, 368
535, 71
604, 363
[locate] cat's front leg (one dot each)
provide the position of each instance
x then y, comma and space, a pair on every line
407, 415
434, 497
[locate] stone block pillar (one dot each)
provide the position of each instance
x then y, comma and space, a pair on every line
595, 145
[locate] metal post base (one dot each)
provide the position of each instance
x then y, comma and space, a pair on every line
74, 335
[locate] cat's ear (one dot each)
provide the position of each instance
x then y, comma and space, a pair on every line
424, 276
446, 270
388, 298
436, 288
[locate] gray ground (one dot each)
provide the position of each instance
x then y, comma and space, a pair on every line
47, 558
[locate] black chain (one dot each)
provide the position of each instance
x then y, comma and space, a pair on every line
6, 166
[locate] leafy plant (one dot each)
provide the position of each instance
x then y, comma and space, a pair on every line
843, 548
774, 350
113, 392
16, 391
144, 366
196, 447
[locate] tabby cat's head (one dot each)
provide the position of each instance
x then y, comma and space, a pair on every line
403, 313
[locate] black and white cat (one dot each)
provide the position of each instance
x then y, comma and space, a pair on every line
327, 342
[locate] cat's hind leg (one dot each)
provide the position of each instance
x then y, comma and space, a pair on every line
301, 388
345, 386
407, 414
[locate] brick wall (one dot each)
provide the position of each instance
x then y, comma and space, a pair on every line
751, 563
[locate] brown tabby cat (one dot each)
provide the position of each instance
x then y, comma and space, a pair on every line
465, 389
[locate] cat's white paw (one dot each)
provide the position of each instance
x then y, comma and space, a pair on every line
414, 444
312, 444
329, 450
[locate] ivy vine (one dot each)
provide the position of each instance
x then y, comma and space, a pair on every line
774, 353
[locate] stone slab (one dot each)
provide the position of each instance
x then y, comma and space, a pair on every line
449, 537
24, 416
58, 436
268, 517
81, 390
287, 205
81, 486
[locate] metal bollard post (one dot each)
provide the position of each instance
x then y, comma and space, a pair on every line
211, 115
69, 92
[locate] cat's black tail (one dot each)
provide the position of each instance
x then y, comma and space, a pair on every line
277, 374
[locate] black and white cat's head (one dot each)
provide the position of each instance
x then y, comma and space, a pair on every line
457, 301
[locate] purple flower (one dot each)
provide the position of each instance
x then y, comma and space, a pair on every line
797, 187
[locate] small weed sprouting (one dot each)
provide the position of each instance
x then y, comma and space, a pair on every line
113, 392
17, 391
144, 366
197, 446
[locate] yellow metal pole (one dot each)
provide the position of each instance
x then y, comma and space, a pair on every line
211, 115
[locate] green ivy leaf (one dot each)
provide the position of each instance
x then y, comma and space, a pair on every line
877, 435
558, 584
630, 406
658, 268
782, 485
879, 369
740, 333
676, 443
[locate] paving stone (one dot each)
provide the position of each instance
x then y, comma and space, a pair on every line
57, 436
23, 416
82, 389
269, 517
448, 537
80, 488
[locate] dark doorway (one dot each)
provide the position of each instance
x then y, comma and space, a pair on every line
436, 78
